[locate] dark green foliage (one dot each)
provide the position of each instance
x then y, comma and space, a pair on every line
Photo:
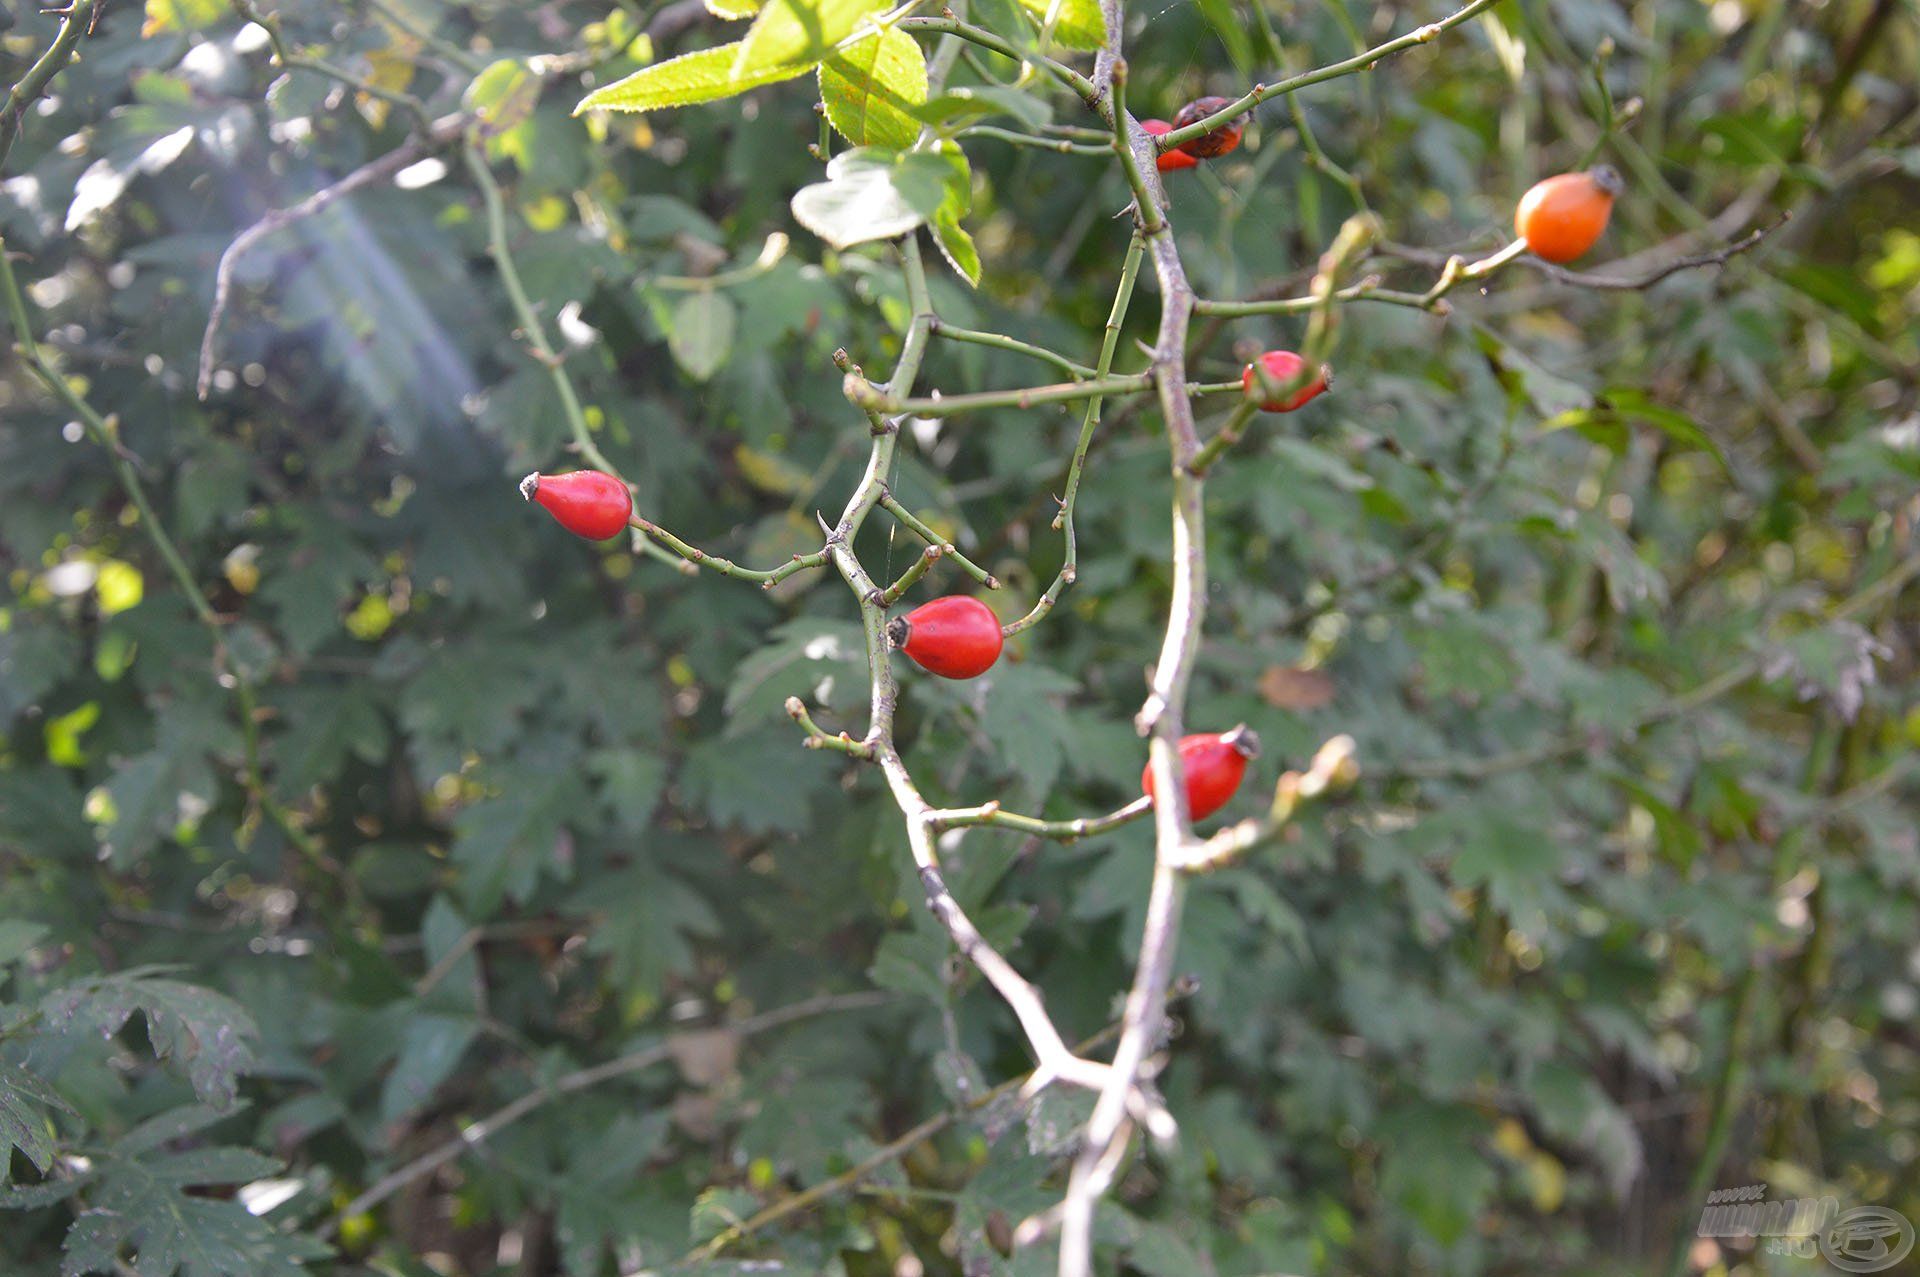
460, 808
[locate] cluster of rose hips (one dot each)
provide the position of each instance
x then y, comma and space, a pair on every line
958, 636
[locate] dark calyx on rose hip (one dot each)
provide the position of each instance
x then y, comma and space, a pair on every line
955, 637
1215, 763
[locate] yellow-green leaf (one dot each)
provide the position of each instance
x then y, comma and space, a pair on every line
1076, 23
797, 34
181, 15
704, 76
873, 87
732, 9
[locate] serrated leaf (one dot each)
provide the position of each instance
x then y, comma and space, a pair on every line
702, 333
873, 88
205, 1031
138, 1201
23, 1123
956, 245
1077, 24
703, 76
871, 194
649, 917
797, 34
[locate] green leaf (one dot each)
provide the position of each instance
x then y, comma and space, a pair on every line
503, 95
797, 34
1606, 423
647, 917
23, 1124
733, 10
983, 102
504, 844
1075, 23
871, 194
138, 1200
431, 1048
703, 76
873, 88
956, 245
205, 1031
702, 332
1023, 719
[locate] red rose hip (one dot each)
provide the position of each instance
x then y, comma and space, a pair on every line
1215, 764
955, 637
1168, 161
1282, 366
1212, 145
586, 503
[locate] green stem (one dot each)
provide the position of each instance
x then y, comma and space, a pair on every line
697, 557
1080, 84
919, 527
941, 328
77, 22
869, 397
1359, 62
104, 434
990, 814
1228, 435
1089, 422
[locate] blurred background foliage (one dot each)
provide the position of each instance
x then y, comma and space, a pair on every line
1606, 585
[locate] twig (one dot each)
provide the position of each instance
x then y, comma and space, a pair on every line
473, 1135
440, 133
1076, 467
1363, 61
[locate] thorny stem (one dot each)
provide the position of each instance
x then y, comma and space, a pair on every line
919, 527
1363, 61
66, 40
867, 396
1109, 342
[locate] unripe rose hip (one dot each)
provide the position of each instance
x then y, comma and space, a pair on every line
1562, 217
1212, 145
1168, 161
586, 503
955, 637
1215, 763
1281, 366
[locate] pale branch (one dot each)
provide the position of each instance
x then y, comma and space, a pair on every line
440, 133
885, 1155
76, 22
1108, 1129
474, 1135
